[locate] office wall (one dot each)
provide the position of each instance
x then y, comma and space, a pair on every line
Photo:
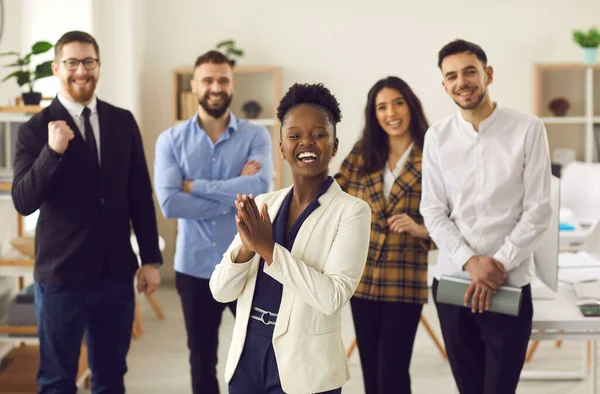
349, 45
43, 20
11, 41
346, 45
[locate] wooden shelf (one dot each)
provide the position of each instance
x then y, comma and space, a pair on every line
566, 66
22, 109
564, 119
579, 84
263, 121
18, 375
259, 82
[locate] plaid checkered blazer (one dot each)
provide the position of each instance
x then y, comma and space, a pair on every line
396, 269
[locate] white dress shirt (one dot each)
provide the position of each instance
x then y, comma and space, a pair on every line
487, 192
76, 111
389, 176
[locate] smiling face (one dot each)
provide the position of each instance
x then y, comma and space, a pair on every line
213, 86
466, 80
307, 141
393, 113
77, 85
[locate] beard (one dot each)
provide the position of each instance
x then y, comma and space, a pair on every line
215, 112
81, 94
474, 104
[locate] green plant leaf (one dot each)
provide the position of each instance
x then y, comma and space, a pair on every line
13, 65
225, 43
43, 70
27, 59
238, 52
589, 39
23, 77
10, 53
9, 76
40, 47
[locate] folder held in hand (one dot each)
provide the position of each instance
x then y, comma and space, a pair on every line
452, 291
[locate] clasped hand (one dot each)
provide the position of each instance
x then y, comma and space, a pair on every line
254, 227
487, 275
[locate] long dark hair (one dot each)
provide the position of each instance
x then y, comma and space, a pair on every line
374, 141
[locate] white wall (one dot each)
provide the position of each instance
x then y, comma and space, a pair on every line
11, 42
118, 29
44, 20
349, 45
346, 45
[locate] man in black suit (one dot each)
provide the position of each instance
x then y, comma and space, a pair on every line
81, 162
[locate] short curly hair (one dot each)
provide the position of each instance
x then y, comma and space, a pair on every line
311, 94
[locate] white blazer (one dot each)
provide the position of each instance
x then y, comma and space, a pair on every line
319, 276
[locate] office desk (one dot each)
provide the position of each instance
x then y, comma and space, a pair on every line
560, 319
574, 240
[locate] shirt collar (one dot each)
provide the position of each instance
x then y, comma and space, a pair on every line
231, 126
75, 109
484, 123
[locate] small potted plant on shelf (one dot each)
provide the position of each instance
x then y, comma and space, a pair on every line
589, 41
251, 109
230, 51
25, 75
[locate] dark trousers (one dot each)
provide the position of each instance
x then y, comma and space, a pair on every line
104, 311
486, 351
257, 372
385, 335
202, 315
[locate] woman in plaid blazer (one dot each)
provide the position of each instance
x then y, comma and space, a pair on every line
384, 169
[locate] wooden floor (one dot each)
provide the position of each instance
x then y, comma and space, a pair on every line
19, 368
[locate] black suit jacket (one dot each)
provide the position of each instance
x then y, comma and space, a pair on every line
86, 213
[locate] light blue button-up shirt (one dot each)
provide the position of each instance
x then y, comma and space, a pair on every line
206, 218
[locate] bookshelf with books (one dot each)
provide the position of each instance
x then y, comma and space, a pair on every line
258, 83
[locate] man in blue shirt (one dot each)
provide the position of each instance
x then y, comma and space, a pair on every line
200, 165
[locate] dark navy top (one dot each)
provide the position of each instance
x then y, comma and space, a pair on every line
267, 294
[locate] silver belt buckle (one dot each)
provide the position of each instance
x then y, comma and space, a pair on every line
262, 316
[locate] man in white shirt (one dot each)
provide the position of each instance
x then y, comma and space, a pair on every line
486, 204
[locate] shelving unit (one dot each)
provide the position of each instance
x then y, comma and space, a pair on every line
9, 125
579, 84
259, 83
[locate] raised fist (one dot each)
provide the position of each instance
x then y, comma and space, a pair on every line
59, 135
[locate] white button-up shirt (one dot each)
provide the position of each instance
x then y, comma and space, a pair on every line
76, 111
389, 176
487, 192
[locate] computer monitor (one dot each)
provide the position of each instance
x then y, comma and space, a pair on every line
546, 254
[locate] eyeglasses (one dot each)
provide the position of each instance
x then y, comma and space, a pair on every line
89, 63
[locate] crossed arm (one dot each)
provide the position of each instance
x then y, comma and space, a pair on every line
203, 199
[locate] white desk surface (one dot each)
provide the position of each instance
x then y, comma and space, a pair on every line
558, 313
561, 313
576, 237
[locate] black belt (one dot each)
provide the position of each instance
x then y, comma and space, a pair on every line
265, 317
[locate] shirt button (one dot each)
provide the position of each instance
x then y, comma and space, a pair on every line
224, 212
214, 244
101, 201
214, 159
214, 222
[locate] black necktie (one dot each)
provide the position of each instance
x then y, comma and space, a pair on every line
90, 140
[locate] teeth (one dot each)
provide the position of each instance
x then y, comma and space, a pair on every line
394, 123
307, 154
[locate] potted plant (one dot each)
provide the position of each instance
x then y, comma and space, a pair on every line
251, 109
230, 51
25, 75
589, 41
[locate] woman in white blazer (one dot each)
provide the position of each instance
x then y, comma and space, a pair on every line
295, 262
